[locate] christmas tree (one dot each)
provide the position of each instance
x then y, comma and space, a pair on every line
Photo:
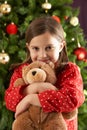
15, 17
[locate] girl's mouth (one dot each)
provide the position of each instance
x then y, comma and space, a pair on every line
46, 61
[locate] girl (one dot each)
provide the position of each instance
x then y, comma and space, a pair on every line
45, 42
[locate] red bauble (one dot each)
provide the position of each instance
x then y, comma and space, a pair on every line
80, 53
11, 28
56, 18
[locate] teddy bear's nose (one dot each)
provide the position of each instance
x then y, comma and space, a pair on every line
33, 72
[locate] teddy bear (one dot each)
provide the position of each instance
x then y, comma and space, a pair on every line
35, 118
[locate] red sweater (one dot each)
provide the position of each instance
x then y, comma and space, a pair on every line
68, 97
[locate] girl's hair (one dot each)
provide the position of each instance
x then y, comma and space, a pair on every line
42, 25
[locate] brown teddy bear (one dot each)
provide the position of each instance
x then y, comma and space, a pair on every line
34, 118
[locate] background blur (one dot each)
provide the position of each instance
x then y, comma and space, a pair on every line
15, 17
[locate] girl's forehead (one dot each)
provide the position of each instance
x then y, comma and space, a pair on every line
44, 39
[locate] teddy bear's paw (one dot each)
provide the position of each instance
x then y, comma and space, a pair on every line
55, 126
25, 125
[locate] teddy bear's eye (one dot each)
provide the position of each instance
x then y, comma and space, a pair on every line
39, 67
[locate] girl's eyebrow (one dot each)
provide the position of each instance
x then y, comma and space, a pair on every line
50, 44
33, 46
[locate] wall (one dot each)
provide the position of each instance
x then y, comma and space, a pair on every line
83, 14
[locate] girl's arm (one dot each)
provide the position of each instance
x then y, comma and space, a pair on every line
25, 102
14, 94
69, 95
31, 96
66, 98
38, 87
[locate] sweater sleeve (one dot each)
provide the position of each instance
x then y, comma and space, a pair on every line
14, 94
69, 95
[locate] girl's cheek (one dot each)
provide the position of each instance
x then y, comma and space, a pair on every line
34, 58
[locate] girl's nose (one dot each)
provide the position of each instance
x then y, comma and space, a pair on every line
43, 53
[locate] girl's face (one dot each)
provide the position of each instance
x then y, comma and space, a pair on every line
45, 48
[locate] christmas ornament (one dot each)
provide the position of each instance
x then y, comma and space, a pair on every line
74, 21
11, 28
80, 53
56, 18
5, 8
46, 6
66, 17
4, 57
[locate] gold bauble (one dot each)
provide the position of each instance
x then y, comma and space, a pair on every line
4, 57
5, 8
46, 6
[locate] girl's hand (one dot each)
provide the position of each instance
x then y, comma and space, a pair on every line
22, 106
31, 89
25, 102
39, 87
45, 86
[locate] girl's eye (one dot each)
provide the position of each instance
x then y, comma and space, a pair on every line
49, 48
35, 48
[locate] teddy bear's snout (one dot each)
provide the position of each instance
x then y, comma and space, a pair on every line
36, 75
34, 72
